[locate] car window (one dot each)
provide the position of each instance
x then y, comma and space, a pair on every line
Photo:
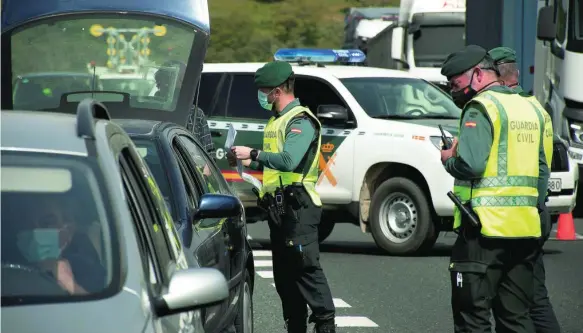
213, 94
54, 208
204, 166
152, 273
416, 98
150, 153
243, 99
189, 183
304, 88
155, 224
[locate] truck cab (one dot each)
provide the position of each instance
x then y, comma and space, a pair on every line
560, 49
426, 33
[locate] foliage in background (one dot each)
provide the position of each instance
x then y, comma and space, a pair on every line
252, 30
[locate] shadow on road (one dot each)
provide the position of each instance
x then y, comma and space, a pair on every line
367, 248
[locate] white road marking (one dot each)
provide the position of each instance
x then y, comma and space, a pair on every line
354, 321
265, 274
273, 284
261, 253
263, 263
339, 303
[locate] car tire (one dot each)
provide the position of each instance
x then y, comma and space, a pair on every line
400, 217
244, 319
325, 228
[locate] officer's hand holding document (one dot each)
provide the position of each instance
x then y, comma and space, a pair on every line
231, 135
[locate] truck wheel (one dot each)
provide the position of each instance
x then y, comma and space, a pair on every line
400, 217
325, 229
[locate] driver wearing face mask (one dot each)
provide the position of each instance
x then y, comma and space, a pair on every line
48, 241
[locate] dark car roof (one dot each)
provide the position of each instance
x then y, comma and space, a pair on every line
41, 131
139, 127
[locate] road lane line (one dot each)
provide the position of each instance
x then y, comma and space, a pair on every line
261, 253
262, 263
354, 321
265, 274
339, 303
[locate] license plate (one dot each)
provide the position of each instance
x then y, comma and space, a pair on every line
555, 185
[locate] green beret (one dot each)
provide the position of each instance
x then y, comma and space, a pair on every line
273, 74
462, 60
502, 55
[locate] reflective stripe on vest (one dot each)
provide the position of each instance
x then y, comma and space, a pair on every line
273, 141
506, 196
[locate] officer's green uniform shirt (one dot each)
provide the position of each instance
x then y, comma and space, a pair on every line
296, 145
475, 143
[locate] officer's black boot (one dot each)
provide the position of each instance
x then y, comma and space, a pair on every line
325, 327
295, 327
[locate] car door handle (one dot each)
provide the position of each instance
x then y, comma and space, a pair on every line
216, 133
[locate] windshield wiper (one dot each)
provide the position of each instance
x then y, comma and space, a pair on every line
439, 116
394, 116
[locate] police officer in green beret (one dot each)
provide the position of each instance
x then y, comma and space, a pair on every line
289, 160
496, 165
542, 313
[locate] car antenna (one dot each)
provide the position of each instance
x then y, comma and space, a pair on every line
93, 84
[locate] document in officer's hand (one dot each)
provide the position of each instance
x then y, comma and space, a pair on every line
231, 135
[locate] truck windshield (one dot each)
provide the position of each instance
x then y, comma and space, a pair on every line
409, 98
436, 35
432, 44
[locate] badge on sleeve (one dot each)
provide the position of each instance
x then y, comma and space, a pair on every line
296, 130
470, 124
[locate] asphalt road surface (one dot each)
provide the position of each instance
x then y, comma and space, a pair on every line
377, 293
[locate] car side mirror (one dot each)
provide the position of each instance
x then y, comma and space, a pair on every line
191, 289
332, 114
546, 28
217, 206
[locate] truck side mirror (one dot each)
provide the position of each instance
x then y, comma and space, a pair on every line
546, 28
397, 44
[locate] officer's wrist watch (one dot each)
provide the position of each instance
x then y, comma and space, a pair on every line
254, 153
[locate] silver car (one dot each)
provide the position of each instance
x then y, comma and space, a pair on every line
87, 242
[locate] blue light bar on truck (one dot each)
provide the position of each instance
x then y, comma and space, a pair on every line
319, 55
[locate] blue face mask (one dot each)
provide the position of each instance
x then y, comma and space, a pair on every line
263, 100
39, 244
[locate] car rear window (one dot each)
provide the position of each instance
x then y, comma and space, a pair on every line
57, 237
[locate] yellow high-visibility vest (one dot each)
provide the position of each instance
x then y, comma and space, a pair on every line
548, 134
273, 141
505, 197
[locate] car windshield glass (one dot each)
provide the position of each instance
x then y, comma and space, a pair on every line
151, 155
382, 97
57, 238
151, 53
130, 84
